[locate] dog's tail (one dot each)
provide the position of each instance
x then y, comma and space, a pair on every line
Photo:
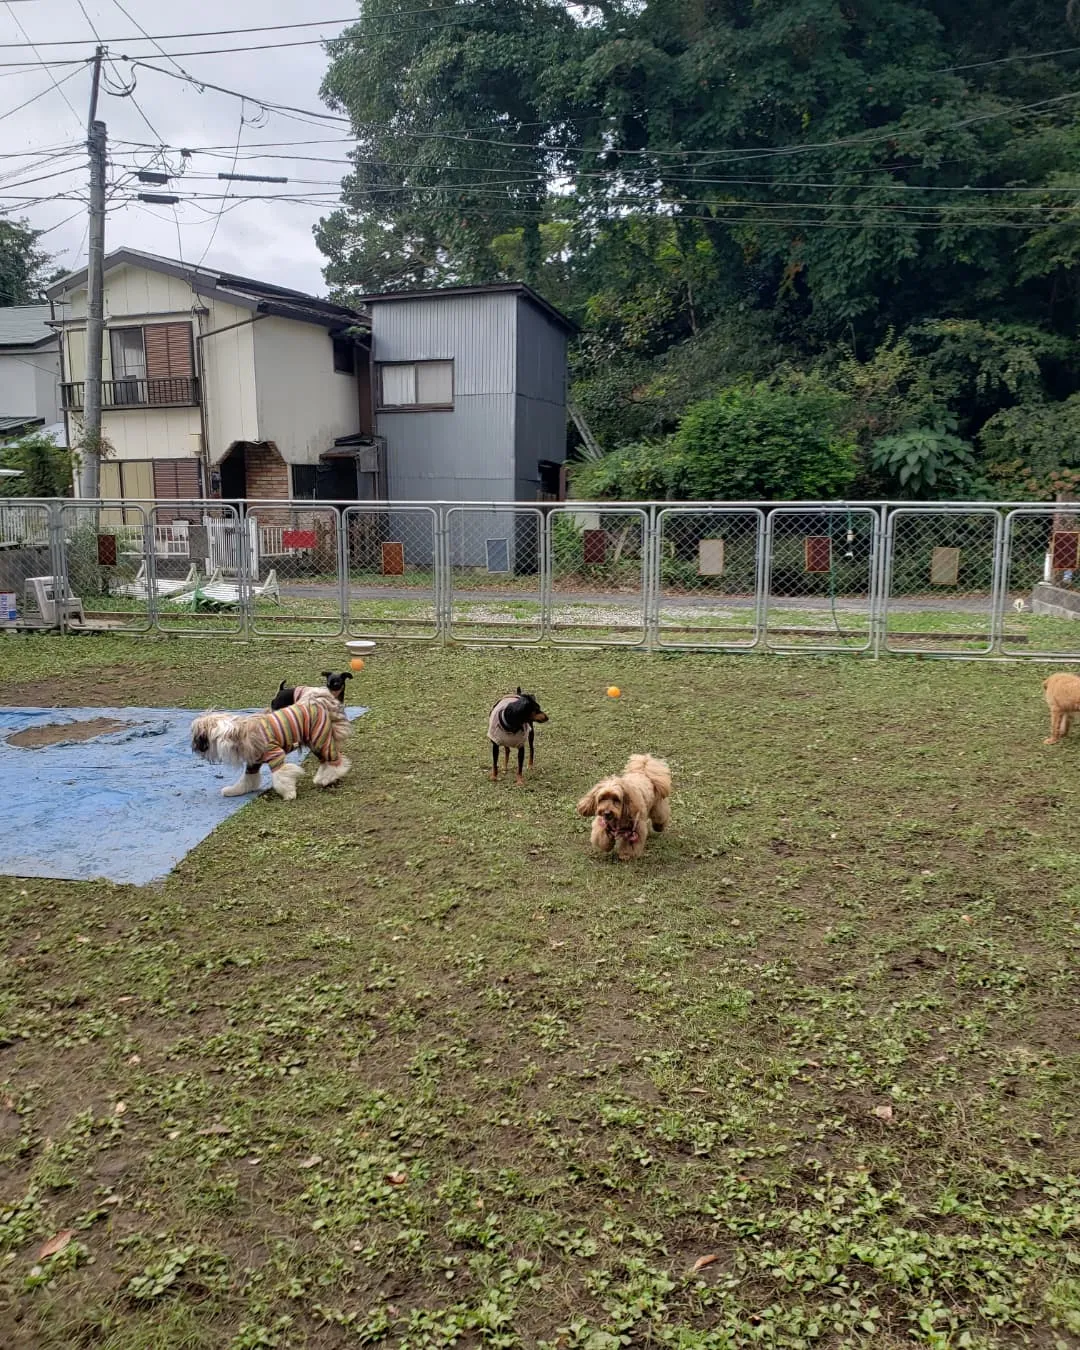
655, 770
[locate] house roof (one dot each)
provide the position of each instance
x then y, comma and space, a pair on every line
261, 297
9, 425
494, 288
25, 326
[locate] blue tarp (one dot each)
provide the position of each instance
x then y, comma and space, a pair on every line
126, 806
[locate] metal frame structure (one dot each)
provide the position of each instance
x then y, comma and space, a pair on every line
409, 561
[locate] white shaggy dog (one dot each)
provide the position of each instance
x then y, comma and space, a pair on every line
318, 724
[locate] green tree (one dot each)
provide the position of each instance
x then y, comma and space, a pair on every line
25, 269
462, 123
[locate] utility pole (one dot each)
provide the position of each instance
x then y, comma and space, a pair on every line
90, 454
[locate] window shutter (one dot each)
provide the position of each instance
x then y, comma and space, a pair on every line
175, 479
168, 360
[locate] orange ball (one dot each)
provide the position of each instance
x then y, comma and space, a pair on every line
613, 691
357, 663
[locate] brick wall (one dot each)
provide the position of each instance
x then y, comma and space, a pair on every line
267, 473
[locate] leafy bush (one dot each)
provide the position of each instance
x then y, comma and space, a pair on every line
927, 462
45, 468
1044, 437
644, 471
756, 442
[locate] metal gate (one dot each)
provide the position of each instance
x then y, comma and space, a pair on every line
392, 569
707, 577
108, 568
819, 592
296, 587
940, 579
495, 575
598, 570
1041, 553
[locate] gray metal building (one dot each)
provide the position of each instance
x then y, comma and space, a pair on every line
469, 387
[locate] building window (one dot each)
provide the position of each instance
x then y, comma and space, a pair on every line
303, 482
344, 356
416, 385
152, 365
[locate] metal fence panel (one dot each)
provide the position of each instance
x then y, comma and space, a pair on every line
820, 578
108, 567
597, 566
941, 579
200, 581
294, 559
26, 552
1039, 597
393, 571
707, 576
494, 565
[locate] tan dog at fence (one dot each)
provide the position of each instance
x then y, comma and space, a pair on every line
1063, 697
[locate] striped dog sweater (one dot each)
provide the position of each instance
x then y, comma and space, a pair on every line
294, 727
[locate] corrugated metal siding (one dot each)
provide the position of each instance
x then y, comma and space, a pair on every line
467, 453
540, 432
540, 422
541, 356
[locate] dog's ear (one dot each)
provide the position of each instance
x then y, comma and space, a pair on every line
281, 687
587, 805
346, 674
519, 689
328, 674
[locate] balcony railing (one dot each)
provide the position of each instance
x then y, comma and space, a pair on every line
178, 391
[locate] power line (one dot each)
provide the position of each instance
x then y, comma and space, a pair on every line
258, 28
34, 98
41, 60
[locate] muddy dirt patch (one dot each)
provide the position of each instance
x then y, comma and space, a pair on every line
36, 738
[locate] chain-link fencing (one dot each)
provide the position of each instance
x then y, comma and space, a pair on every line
26, 559
494, 570
820, 578
941, 576
966, 580
294, 569
1039, 602
598, 575
392, 579
708, 577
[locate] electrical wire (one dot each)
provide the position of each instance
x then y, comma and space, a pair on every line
34, 98
41, 61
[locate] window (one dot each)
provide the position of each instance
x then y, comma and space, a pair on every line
154, 364
303, 482
419, 385
344, 356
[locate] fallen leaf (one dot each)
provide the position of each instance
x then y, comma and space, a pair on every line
313, 1161
135, 1059
9, 1103
216, 1129
883, 1112
704, 1261
57, 1243
82, 939
397, 1178
254, 1162
556, 945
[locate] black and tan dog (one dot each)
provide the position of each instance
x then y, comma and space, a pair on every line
510, 725
286, 697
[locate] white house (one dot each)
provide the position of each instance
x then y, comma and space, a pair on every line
29, 369
219, 385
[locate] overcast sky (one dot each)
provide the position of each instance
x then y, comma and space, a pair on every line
268, 240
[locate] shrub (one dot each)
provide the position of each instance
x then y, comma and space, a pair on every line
758, 443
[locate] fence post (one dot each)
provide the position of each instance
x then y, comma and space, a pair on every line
58, 560
243, 561
652, 580
998, 585
443, 590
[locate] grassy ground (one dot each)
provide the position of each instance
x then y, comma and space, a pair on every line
401, 1063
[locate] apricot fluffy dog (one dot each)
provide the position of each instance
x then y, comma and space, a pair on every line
626, 808
1063, 696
